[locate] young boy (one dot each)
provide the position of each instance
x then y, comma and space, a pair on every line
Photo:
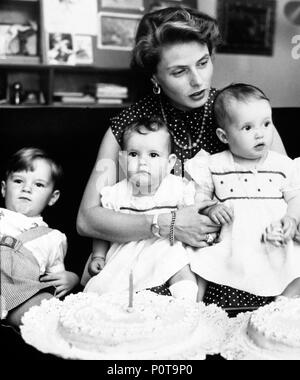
32, 255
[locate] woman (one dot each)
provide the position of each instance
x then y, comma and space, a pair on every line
174, 49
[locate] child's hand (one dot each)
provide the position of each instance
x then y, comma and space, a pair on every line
289, 227
220, 214
63, 281
297, 234
274, 234
96, 265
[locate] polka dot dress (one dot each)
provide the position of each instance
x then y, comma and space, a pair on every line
192, 131
227, 297
185, 126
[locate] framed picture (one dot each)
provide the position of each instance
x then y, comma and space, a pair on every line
61, 49
117, 30
18, 40
247, 26
123, 4
160, 4
83, 49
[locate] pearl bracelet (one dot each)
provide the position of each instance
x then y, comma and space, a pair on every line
172, 225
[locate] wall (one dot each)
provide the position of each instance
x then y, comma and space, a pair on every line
277, 75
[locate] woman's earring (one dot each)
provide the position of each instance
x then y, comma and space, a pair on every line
156, 88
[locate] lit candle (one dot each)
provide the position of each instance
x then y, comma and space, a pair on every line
130, 305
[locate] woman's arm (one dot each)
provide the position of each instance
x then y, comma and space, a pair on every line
100, 223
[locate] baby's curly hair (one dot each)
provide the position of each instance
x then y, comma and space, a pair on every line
143, 126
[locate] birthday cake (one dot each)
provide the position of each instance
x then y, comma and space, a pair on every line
275, 328
156, 326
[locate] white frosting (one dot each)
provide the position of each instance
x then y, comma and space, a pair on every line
276, 328
157, 326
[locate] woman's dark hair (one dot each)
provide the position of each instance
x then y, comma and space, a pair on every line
167, 26
144, 126
24, 159
241, 92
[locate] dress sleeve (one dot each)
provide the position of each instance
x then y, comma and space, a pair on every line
189, 192
111, 196
58, 252
292, 181
117, 128
198, 169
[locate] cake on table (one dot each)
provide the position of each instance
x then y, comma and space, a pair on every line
275, 328
122, 326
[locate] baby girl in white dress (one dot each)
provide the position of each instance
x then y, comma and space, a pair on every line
149, 188
258, 193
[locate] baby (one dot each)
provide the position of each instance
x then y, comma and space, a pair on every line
257, 190
149, 188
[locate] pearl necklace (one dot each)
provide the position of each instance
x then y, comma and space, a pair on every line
196, 143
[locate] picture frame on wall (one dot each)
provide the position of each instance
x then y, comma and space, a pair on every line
116, 31
83, 49
160, 4
123, 4
247, 26
18, 40
60, 49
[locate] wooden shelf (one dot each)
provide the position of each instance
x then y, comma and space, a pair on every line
36, 75
57, 105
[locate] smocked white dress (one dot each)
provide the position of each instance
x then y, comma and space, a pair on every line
240, 259
152, 261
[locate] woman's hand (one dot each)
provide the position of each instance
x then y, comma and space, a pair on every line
63, 281
191, 227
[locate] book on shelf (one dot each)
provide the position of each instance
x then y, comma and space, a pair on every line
78, 99
110, 86
108, 90
68, 93
110, 95
109, 101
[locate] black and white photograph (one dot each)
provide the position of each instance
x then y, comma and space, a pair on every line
18, 40
117, 30
149, 183
61, 49
83, 49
